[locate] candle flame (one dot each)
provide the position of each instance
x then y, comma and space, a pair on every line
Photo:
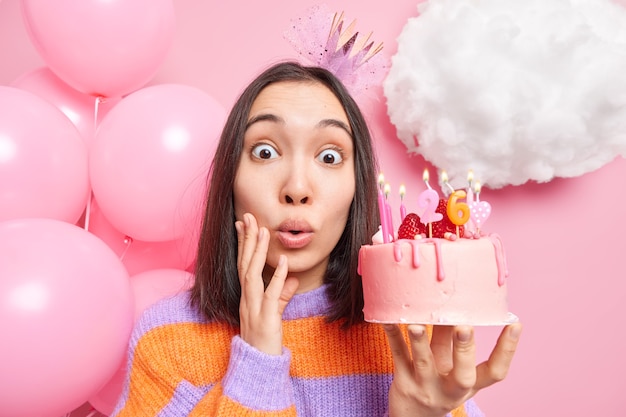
477, 187
470, 176
402, 191
444, 179
387, 189
426, 176
381, 179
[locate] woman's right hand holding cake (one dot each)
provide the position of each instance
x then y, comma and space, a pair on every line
433, 377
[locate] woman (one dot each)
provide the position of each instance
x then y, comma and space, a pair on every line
273, 325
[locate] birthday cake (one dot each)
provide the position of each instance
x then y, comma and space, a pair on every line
437, 271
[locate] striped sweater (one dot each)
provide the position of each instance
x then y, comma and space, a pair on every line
182, 365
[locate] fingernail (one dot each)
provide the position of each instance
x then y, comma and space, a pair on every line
261, 233
246, 220
463, 335
514, 332
238, 227
417, 331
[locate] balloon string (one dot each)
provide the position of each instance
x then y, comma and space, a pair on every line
95, 126
95, 113
88, 210
127, 241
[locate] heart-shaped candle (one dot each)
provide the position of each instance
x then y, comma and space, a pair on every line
479, 212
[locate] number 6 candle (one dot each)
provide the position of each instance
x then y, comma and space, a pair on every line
458, 212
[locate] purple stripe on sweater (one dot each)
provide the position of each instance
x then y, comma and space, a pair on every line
308, 304
345, 396
256, 379
472, 409
184, 400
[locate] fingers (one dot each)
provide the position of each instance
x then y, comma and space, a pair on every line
397, 345
499, 362
252, 252
441, 345
415, 360
463, 373
280, 287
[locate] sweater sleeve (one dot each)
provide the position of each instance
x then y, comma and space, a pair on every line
255, 384
164, 379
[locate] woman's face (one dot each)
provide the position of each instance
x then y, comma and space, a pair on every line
296, 175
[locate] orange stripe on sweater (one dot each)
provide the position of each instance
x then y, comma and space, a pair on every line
459, 412
321, 349
202, 351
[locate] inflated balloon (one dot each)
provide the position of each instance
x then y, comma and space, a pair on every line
82, 109
66, 313
150, 158
139, 256
148, 287
101, 47
43, 160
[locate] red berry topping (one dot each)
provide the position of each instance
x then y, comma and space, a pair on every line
411, 226
445, 225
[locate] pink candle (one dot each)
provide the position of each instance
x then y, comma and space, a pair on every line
382, 208
389, 214
479, 210
428, 201
470, 227
402, 207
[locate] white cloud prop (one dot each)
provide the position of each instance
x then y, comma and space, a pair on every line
515, 90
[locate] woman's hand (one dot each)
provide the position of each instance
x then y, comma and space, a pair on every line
433, 378
261, 309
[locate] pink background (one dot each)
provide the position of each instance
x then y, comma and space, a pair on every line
563, 239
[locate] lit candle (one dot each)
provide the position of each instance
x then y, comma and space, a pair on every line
470, 227
428, 200
388, 212
470, 192
444, 180
402, 207
426, 178
458, 212
477, 189
382, 208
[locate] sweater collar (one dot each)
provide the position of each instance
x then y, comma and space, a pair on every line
309, 304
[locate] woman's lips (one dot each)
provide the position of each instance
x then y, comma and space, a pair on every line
295, 240
295, 234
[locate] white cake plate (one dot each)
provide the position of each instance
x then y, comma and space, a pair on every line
511, 318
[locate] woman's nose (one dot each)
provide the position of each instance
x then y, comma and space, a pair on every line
297, 188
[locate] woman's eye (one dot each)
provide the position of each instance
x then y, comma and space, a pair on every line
330, 156
264, 151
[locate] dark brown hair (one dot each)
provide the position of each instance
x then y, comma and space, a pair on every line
216, 291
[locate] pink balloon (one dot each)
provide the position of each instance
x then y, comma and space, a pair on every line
66, 312
150, 159
139, 256
148, 287
101, 47
83, 110
43, 160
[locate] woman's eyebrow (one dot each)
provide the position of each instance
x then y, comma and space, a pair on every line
264, 117
335, 123
276, 119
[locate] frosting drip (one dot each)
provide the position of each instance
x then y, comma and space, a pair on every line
498, 246
397, 253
